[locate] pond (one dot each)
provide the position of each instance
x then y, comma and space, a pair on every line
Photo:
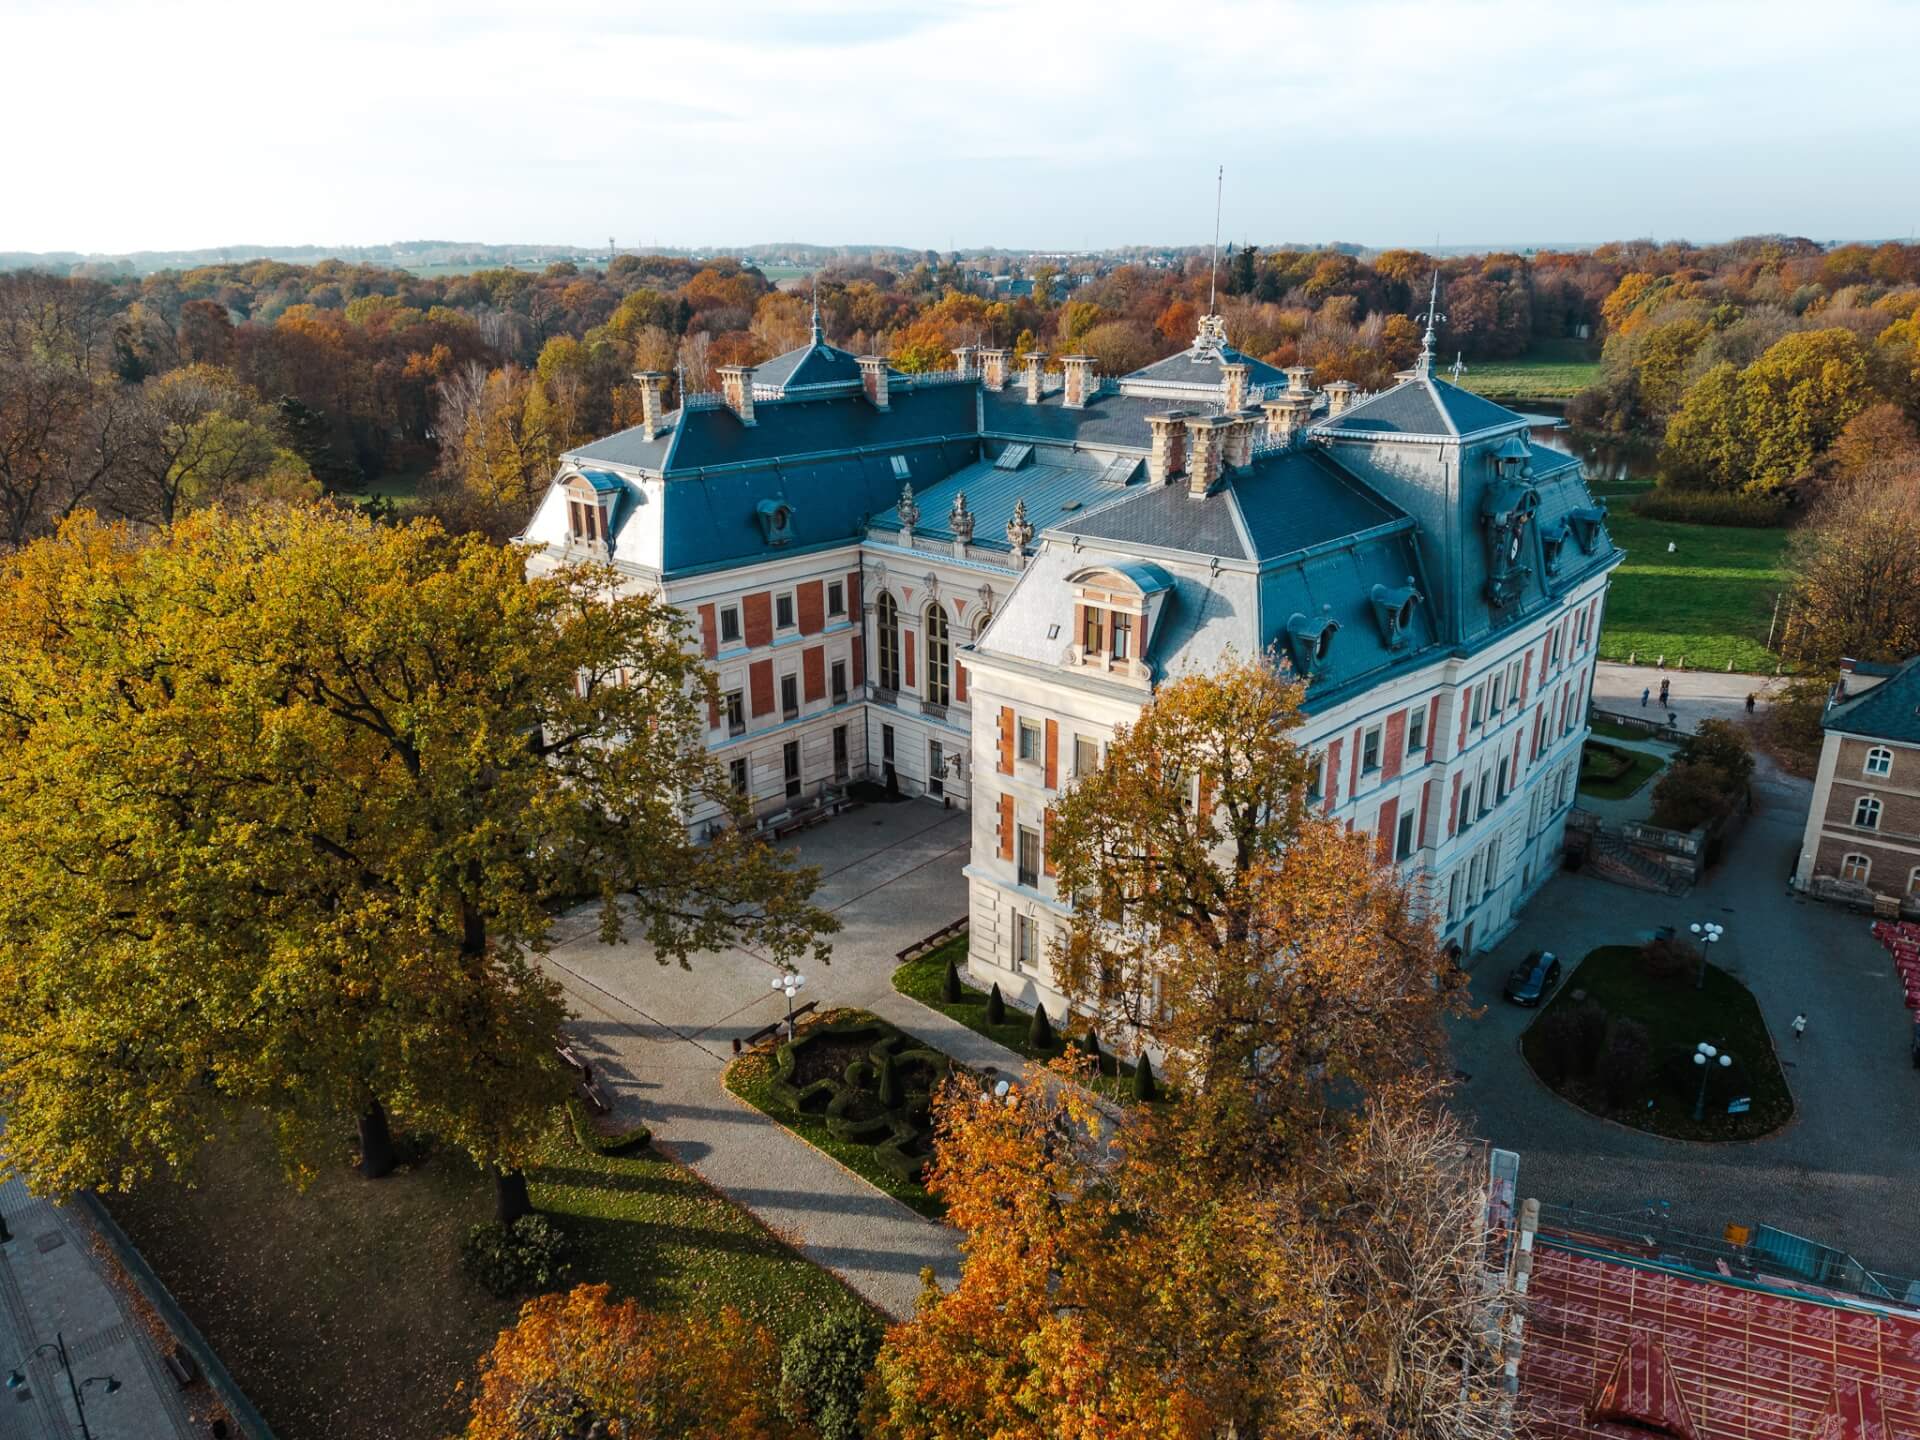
1609, 459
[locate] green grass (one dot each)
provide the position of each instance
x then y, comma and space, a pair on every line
316, 1299
1552, 370
1605, 781
924, 980
751, 1078
1610, 731
1703, 606
1677, 1018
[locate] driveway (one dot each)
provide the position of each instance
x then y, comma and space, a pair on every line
1844, 1171
1695, 695
659, 1036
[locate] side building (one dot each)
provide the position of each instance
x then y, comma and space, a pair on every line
1862, 841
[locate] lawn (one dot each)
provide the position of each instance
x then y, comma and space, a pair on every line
924, 980
1706, 604
1608, 772
753, 1077
1552, 370
342, 1309
1677, 1018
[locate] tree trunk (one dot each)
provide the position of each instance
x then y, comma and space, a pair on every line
376, 1142
510, 1199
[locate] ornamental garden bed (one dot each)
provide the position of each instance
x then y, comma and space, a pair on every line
859, 1089
1618, 1041
1611, 773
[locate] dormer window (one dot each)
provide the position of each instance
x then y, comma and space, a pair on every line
1310, 641
1113, 610
586, 521
1393, 611
591, 496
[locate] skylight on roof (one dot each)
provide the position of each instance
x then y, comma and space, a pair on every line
1013, 457
900, 470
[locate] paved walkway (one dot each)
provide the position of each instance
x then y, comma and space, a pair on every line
659, 1036
1844, 1171
52, 1284
1696, 695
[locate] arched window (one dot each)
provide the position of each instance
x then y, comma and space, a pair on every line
1879, 761
1855, 867
938, 675
1866, 813
889, 642
981, 620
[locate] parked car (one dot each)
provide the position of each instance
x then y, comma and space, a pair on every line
1533, 979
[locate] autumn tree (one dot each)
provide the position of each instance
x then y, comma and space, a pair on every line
281, 800
1225, 924
500, 444
580, 1365
1856, 572
196, 436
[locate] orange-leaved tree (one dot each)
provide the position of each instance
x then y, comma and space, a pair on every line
579, 1366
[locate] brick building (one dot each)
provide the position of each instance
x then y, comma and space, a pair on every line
1862, 842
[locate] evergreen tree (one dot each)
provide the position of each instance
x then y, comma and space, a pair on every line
996, 1007
950, 988
1144, 1088
1040, 1031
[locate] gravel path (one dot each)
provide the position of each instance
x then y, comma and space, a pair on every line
1844, 1171
660, 1036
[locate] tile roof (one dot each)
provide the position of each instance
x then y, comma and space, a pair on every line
630, 447
1422, 406
815, 363
1889, 711
1167, 517
1300, 498
839, 423
1052, 492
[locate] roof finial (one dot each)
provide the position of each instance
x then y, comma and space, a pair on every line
1213, 264
1457, 368
818, 338
1423, 366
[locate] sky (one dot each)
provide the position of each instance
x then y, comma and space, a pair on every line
1056, 124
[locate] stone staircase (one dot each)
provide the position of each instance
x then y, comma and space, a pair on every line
1613, 859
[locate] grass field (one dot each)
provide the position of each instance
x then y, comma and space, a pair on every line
1552, 370
1610, 773
1706, 604
1677, 1017
342, 1309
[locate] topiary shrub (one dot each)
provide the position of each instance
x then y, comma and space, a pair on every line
1623, 1064
823, 1373
996, 1007
950, 987
889, 1089
1040, 1029
507, 1260
1092, 1046
1144, 1088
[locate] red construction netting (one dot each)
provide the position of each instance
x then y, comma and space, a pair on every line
1752, 1365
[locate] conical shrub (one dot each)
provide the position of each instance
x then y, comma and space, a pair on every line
950, 988
1040, 1032
1144, 1088
996, 1007
1092, 1046
890, 1095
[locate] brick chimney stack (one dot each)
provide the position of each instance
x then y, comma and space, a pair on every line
963, 361
1035, 362
1233, 383
1205, 447
1285, 415
653, 401
873, 378
1340, 395
1297, 378
1168, 455
1079, 385
993, 369
736, 383
1239, 447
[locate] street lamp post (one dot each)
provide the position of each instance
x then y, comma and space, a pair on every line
1708, 935
1706, 1057
58, 1346
791, 983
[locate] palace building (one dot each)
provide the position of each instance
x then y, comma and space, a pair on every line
963, 582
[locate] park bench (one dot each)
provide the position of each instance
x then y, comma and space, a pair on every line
767, 1032
930, 942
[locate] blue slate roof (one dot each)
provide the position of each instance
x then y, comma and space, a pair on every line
1299, 499
1110, 420
1167, 517
1422, 406
815, 363
1889, 711
630, 447
1052, 492
837, 423
603, 483
1201, 365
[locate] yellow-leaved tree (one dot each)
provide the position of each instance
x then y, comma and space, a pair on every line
281, 799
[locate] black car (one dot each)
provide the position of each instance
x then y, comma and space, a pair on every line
1533, 979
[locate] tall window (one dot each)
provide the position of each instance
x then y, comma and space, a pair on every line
1866, 813
1855, 867
1879, 761
889, 642
1086, 757
1416, 732
585, 519
730, 624
1093, 634
938, 680
1023, 943
1122, 636
1029, 857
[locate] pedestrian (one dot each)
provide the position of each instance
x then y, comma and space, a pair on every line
1673, 721
1749, 702
1645, 695
1799, 1026
1666, 688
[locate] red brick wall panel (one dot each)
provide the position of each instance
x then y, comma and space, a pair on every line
810, 603
709, 632
813, 672
756, 618
760, 687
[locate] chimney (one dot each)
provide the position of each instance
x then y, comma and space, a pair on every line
873, 377
1239, 450
1340, 395
993, 369
1168, 457
963, 361
1285, 415
1205, 443
1035, 362
1234, 376
1079, 370
1297, 378
653, 400
736, 383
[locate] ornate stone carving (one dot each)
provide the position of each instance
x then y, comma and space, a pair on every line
1019, 532
960, 519
908, 511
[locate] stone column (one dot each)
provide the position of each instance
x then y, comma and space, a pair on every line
1168, 455
1205, 446
1079, 380
1234, 376
736, 383
1035, 362
653, 400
